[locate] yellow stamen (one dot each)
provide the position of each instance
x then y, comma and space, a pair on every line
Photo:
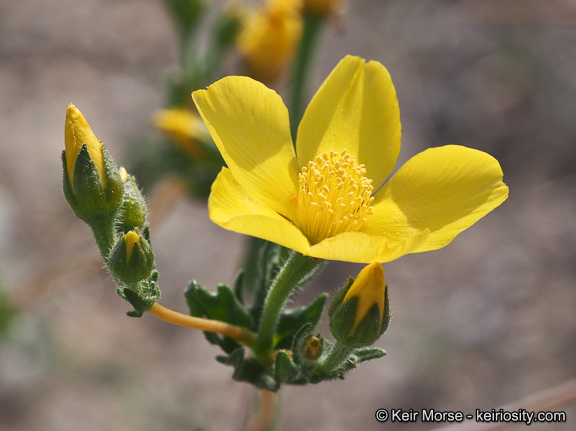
334, 196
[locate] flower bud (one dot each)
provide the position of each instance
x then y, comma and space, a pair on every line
92, 184
132, 259
312, 348
268, 38
185, 128
133, 213
359, 312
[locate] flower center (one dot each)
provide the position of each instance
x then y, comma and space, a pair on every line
334, 196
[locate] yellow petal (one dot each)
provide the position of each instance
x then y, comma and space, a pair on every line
355, 109
249, 124
232, 208
131, 238
445, 190
363, 248
77, 132
370, 289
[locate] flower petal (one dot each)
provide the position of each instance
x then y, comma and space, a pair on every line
232, 208
445, 190
355, 109
363, 248
249, 124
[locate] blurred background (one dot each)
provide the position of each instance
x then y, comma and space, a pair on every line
484, 322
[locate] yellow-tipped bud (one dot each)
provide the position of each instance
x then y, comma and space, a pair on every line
133, 213
312, 348
92, 184
268, 38
185, 128
132, 259
359, 312
123, 173
369, 288
77, 133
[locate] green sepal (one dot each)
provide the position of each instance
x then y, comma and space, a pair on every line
138, 267
286, 371
368, 353
342, 317
90, 201
306, 364
141, 295
292, 320
223, 306
132, 214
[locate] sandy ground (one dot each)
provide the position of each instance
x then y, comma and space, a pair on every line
481, 323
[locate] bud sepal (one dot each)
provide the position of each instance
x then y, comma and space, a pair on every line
132, 259
360, 311
88, 197
132, 215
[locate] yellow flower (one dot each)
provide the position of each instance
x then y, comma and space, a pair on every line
268, 38
77, 132
184, 127
324, 201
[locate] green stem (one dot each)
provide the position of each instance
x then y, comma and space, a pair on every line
287, 280
301, 68
335, 359
105, 235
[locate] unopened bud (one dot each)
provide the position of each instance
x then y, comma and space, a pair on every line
92, 184
312, 348
359, 312
132, 259
133, 212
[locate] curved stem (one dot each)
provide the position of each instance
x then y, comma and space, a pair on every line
287, 280
266, 413
207, 325
105, 235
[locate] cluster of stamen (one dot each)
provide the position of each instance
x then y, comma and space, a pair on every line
334, 196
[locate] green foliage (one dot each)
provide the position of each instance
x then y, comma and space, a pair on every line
288, 364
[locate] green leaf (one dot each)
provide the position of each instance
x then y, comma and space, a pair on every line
222, 306
286, 371
141, 295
